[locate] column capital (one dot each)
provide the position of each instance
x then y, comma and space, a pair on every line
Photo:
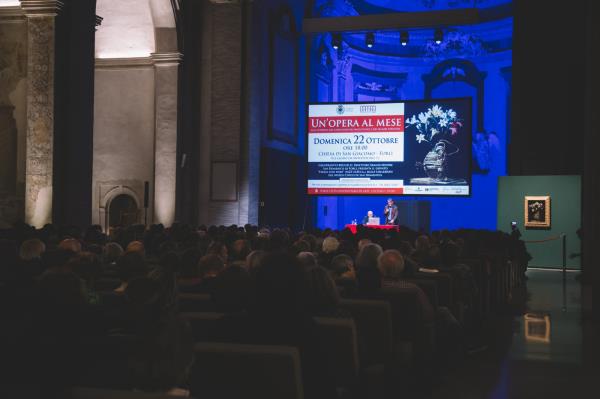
166, 59
40, 8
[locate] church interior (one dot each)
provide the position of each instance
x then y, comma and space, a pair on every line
161, 236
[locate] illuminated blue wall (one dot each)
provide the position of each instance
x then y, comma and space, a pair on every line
401, 73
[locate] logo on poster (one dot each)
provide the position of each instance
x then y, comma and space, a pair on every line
368, 109
340, 109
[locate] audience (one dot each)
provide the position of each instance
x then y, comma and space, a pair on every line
269, 283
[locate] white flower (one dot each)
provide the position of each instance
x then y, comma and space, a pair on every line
443, 122
451, 113
437, 111
412, 121
422, 118
434, 131
420, 138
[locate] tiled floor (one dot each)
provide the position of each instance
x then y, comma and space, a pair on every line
535, 349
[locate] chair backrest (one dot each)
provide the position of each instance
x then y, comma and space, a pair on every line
195, 303
373, 320
444, 286
339, 339
407, 316
96, 393
224, 370
408, 322
203, 324
429, 287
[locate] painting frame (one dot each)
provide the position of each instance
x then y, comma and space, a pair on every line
537, 211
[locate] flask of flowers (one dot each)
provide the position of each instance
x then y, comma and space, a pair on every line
435, 124
536, 209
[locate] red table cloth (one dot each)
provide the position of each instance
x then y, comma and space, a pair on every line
352, 227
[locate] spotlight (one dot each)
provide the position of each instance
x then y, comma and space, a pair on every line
370, 39
404, 38
336, 41
438, 36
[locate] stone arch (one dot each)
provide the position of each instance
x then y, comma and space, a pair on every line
109, 196
459, 70
123, 211
135, 28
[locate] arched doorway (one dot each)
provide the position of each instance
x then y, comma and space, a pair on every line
122, 211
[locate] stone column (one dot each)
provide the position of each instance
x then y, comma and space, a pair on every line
165, 151
40, 109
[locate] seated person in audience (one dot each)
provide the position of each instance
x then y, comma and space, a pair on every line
368, 277
278, 318
31, 250
218, 248
449, 333
233, 290
279, 240
136, 246
311, 240
110, 253
363, 242
426, 254
319, 294
209, 267
391, 266
239, 251
300, 246
188, 278
70, 244
307, 261
421, 249
255, 260
64, 315
56, 260
411, 267
329, 249
161, 357
129, 267
342, 271
88, 267
467, 287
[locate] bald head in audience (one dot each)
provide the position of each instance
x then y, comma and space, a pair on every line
391, 264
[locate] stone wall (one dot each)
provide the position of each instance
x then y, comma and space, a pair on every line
13, 104
123, 130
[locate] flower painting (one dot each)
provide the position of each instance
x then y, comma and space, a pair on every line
437, 128
435, 124
537, 211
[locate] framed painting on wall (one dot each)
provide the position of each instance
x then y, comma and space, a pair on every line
537, 211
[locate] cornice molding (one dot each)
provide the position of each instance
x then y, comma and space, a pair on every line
41, 8
109, 63
166, 59
12, 12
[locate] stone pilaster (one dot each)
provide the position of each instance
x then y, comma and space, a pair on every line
40, 109
165, 153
